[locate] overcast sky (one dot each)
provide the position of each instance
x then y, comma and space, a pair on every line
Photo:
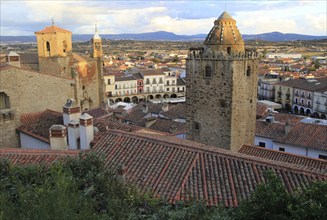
181, 17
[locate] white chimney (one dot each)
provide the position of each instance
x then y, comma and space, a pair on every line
73, 134
86, 131
71, 111
145, 108
58, 137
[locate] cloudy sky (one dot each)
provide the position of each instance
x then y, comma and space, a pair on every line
19, 17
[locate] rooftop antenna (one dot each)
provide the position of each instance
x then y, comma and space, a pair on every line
52, 21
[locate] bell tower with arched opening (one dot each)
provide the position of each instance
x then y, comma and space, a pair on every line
54, 45
221, 82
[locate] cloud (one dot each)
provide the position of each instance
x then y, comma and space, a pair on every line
181, 17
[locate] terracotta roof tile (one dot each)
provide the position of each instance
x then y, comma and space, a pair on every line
38, 124
181, 170
306, 135
52, 29
35, 156
317, 165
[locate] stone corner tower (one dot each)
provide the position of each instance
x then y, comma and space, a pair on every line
221, 88
54, 46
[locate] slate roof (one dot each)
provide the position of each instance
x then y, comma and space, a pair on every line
38, 124
306, 135
124, 78
180, 81
34, 156
317, 165
177, 169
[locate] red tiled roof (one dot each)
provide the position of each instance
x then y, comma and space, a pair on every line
38, 124
180, 170
261, 110
306, 135
52, 29
97, 112
168, 126
317, 165
35, 156
269, 130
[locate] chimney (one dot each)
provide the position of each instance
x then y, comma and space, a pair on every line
58, 137
121, 172
73, 134
287, 127
86, 131
270, 119
145, 108
71, 111
13, 59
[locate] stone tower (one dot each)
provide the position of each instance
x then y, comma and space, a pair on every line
96, 45
54, 46
221, 82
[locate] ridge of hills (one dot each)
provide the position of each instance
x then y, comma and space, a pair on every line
169, 36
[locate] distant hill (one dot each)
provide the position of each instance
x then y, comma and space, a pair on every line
169, 36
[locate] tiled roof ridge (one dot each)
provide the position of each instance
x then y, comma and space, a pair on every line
35, 116
201, 148
243, 148
38, 151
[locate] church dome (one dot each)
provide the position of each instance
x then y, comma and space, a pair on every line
225, 36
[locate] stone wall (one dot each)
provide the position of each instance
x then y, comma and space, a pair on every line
221, 109
30, 91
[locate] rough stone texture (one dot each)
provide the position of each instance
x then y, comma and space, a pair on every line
30, 91
224, 105
221, 88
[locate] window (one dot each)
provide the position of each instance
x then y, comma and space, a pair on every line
229, 50
116, 87
167, 89
196, 126
208, 73
222, 103
248, 71
282, 149
167, 83
324, 157
48, 46
262, 144
108, 81
4, 101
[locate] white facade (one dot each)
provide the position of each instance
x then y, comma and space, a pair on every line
126, 87
260, 141
284, 55
29, 142
154, 83
320, 103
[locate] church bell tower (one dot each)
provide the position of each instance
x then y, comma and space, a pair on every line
221, 82
96, 45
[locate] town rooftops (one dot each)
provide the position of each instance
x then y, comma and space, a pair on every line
151, 72
53, 30
178, 169
317, 165
124, 78
306, 135
310, 84
36, 156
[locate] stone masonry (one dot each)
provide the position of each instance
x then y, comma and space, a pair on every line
221, 88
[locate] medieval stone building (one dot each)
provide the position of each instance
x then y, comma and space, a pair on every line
221, 88
58, 75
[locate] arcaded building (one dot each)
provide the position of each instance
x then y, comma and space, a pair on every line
221, 88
